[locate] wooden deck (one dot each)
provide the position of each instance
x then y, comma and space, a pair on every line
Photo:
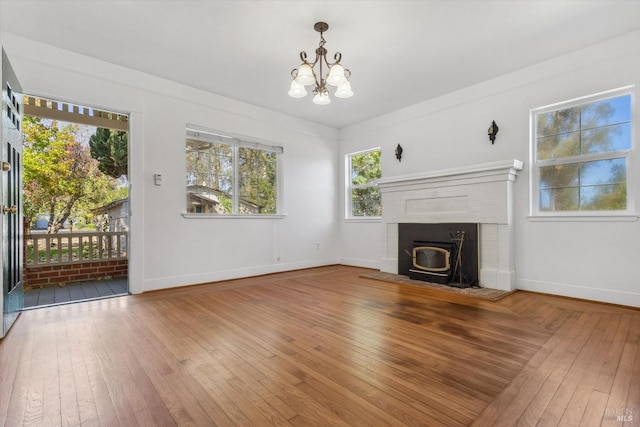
74, 292
322, 347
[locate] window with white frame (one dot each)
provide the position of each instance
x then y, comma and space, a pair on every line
230, 175
363, 194
581, 151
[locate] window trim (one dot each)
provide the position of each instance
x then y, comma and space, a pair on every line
239, 141
534, 172
349, 217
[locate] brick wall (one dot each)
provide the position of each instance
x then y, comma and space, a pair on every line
67, 273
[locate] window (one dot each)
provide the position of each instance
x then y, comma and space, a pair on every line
363, 195
581, 155
230, 175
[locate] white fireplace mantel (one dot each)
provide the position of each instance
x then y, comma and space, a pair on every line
481, 194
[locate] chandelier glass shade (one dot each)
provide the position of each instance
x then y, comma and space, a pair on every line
305, 75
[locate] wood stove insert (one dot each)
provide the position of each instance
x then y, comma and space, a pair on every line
445, 253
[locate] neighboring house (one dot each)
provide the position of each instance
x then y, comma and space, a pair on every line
113, 216
203, 199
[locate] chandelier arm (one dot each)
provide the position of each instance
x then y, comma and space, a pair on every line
303, 57
318, 84
327, 63
313, 64
337, 57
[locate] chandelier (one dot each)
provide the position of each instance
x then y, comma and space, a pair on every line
306, 76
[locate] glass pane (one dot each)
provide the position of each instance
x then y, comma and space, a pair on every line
605, 127
431, 259
606, 112
602, 172
558, 122
597, 185
209, 177
564, 145
607, 139
558, 176
603, 197
365, 167
221, 167
257, 181
366, 202
559, 199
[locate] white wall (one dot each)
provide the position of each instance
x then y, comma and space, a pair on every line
583, 259
168, 250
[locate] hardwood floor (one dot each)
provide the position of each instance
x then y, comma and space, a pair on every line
321, 347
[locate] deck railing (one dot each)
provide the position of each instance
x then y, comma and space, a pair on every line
72, 248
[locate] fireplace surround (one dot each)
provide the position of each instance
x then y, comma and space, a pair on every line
481, 194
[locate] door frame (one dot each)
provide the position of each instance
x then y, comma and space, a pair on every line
81, 113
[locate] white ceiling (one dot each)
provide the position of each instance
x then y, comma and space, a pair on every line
399, 52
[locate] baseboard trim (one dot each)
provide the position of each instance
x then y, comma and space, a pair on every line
627, 299
218, 276
365, 263
607, 296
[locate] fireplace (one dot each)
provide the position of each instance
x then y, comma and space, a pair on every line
480, 194
445, 253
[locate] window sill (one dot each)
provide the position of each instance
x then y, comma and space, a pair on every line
231, 216
364, 219
583, 218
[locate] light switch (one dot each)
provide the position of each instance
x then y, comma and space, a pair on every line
157, 179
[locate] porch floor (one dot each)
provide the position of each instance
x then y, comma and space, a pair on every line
73, 292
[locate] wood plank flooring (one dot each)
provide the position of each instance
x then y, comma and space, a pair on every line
321, 347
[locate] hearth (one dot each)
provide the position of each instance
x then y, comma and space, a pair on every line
445, 253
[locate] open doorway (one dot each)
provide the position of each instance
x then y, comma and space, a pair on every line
76, 203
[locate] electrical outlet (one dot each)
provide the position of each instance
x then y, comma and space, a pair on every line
317, 246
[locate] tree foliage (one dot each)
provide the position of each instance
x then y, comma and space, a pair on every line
365, 197
257, 176
61, 178
581, 131
110, 148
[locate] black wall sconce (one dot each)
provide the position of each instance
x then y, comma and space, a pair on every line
493, 130
399, 153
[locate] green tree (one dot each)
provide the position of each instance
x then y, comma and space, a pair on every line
365, 196
110, 148
61, 178
257, 175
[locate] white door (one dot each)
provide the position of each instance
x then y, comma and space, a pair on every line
11, 202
